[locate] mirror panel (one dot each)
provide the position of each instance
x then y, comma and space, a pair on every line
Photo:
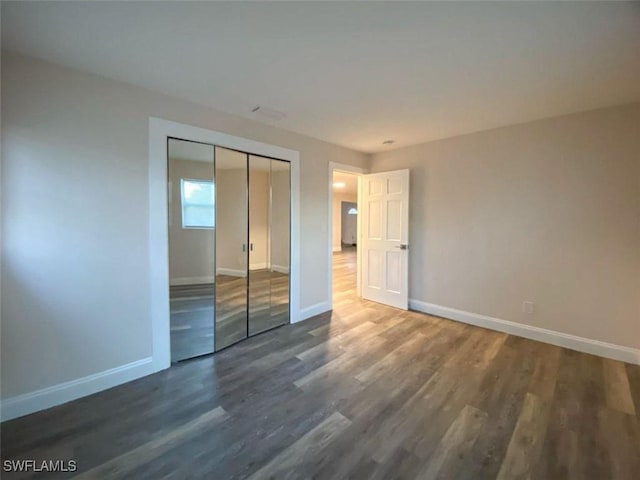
280, 241
191, 190
231, 247
259, 268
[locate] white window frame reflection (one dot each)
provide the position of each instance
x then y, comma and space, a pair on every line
184, 204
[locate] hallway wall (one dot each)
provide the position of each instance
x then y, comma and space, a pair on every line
349, 229
338, 198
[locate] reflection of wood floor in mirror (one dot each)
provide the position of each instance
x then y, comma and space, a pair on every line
269, 300
191, 319
192, 312
363, 392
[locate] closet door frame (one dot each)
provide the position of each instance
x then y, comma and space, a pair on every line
159, 132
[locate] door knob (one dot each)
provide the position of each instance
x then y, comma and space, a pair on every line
403, 246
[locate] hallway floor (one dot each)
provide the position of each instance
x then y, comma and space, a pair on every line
365, 391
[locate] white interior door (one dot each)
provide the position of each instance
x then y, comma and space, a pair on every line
384, 215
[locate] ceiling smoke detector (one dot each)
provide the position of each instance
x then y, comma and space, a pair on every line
388, 142
267, 112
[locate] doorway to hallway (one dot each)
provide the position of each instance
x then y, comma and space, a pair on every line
382, 231
343, 219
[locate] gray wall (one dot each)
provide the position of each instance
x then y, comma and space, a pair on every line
349, 229
547, 211
75, 260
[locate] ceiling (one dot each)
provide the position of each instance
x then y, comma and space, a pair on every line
352, 73
350, 181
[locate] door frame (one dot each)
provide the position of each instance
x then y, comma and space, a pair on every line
358, 171
159, 131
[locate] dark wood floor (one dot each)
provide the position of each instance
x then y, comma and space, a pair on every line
365, 392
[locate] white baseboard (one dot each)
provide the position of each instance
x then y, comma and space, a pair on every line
573, 342
232, 272
81, 387
280, 269
190, 280
313, 310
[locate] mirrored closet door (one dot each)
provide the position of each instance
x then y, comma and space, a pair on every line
280, 238
259, 271
232, 254
269, 227
229, 244
191, 220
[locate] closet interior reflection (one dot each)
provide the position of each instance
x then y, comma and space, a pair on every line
229, 244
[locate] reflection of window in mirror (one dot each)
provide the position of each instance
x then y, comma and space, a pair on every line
198, 203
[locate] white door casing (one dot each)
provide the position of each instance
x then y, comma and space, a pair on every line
384, 213
159, 131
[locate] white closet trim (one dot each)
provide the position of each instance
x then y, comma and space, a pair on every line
159, 131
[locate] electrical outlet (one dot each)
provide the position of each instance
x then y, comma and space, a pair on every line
527, 307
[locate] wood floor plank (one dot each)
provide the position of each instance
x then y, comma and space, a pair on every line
404, 352
545, 374
618, 391
338, 365
336, 343
455, 444
575, 444
401, 465
527, 439
290, 463
406, 421
501, 394
633, 375
621, 433
119, 467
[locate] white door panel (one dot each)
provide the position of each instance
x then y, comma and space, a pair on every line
374, 274
384, 213
394, 227
375, 220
